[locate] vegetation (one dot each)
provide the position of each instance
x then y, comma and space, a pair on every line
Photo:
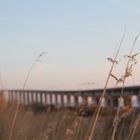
39, 122
63, 124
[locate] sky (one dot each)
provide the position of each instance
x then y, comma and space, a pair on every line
78, 36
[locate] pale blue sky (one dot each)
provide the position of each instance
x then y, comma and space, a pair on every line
77, 35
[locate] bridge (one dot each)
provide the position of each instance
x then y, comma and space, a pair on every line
75, 98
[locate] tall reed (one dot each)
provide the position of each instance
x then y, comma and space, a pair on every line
123, 84
104, 90
136, 123
79, 125
23, 88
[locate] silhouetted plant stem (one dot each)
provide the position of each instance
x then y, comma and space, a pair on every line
23, 88
104, 91
77, 133
122, 91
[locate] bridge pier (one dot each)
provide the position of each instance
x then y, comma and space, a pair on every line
58, 100
72, 101
65, 101
135, 101
91, 101
80, 100
53, 99
121, 102
103, 102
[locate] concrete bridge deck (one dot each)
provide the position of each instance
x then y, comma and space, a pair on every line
131, 97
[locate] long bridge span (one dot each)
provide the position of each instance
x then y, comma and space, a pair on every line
74, 98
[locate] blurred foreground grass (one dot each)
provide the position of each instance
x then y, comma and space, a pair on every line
37, 122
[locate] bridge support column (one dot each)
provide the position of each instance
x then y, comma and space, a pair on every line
121, 102
80, 100
103, 102
30, 98
65, 100
58, 100
53, 99
134, 101
72, 101
43, 96
90, 101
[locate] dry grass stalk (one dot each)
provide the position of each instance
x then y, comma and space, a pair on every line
113, 60
127, 74
80, 122
70, 132
119, 80
24, 85
123, 116
134, 127
128, 67
51, 127
132, 57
